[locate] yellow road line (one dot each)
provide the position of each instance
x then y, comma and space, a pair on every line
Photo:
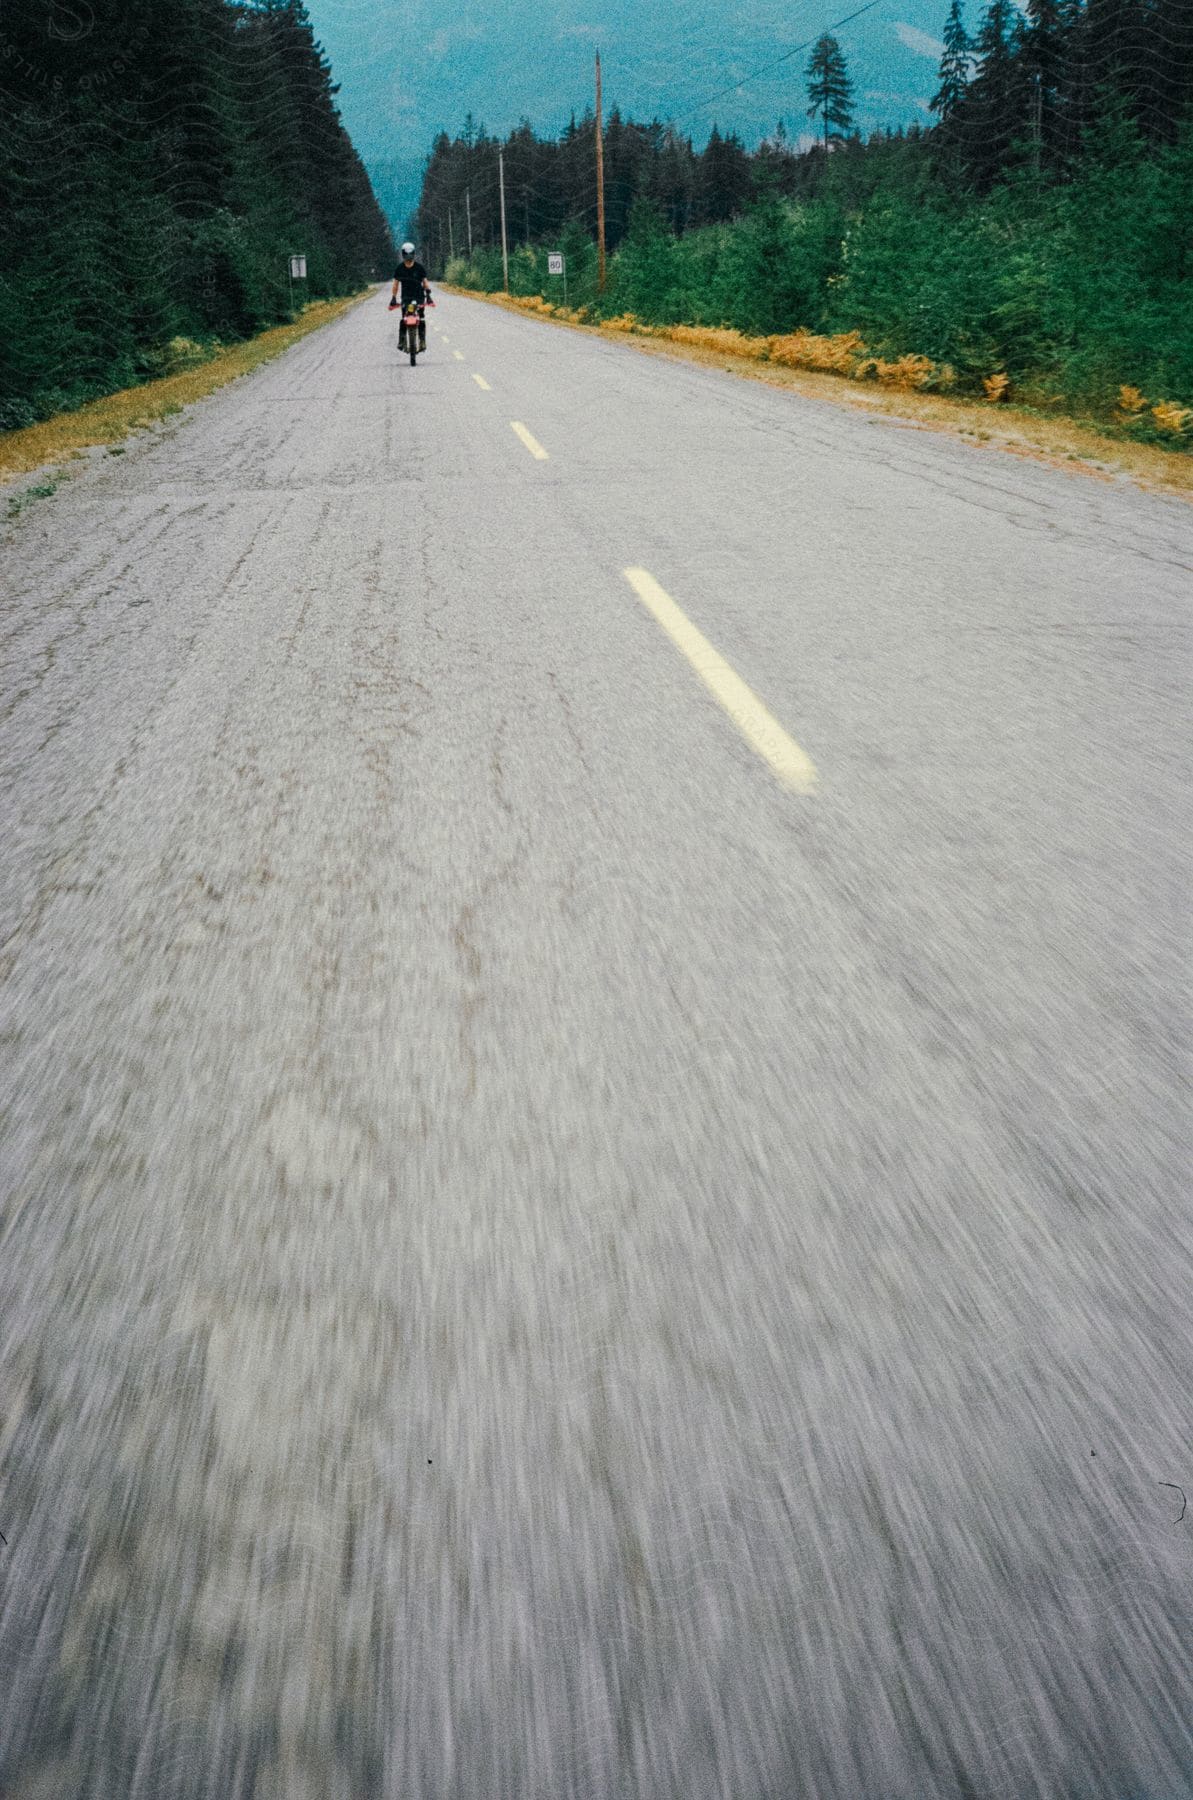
482, 383
787, 761
459, 355
532, 444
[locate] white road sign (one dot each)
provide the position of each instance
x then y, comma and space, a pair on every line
554, 263
298, 268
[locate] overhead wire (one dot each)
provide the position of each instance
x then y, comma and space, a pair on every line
735, 87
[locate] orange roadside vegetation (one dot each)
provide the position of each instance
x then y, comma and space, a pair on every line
911, 390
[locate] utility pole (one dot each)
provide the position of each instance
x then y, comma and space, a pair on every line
600, 159
468, 205
451, 242
526, 210
505, 248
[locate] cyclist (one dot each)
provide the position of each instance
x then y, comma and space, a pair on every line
410, 283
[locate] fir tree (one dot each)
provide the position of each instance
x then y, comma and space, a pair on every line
724, 178
1044, 53
955, 65
830, 91
994, 113
156, 168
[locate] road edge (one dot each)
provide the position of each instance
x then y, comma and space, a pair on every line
974, 424
105, 425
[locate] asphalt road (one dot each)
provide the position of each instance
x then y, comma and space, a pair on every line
537, 1257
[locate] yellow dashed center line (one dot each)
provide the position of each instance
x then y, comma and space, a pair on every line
532, 444
459, 355
788, 762
482, 383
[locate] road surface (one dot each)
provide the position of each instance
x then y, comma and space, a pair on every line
567, 1231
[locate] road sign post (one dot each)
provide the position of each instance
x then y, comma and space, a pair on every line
298, 272
556, 265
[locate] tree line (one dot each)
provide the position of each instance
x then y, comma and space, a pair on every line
1022, 91
159, 165
1041, 224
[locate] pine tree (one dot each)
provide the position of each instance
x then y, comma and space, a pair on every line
1172, 67
774, 163
155, 167
955, 66
723, 178
993, 42
672, 180
1044, 55
1115, 51
578, 170
830, 91
995, 109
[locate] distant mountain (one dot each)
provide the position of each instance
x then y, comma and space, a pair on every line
396, 183
408, 71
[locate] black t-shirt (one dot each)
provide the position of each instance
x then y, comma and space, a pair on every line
410, 280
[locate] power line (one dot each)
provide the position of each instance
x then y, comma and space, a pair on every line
763, 38
733, 86
765, 69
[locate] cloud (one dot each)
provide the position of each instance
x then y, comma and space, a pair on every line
402, 110
903, 100
445, 40
919, 41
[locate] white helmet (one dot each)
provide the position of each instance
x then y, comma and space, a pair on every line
407, 249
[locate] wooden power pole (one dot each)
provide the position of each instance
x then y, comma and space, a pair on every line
600, 159
505, 248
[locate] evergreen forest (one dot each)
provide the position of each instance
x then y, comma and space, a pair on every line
1035, 231
158, 165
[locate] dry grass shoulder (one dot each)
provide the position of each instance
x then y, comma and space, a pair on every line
911, 392
116, 416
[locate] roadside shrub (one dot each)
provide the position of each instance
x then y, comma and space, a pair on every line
723, 339
179, 354
15, 415
907, 372
1173, 420
1072, 295
837, 355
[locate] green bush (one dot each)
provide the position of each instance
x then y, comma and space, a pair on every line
15, 415
1072, 286
174, 358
